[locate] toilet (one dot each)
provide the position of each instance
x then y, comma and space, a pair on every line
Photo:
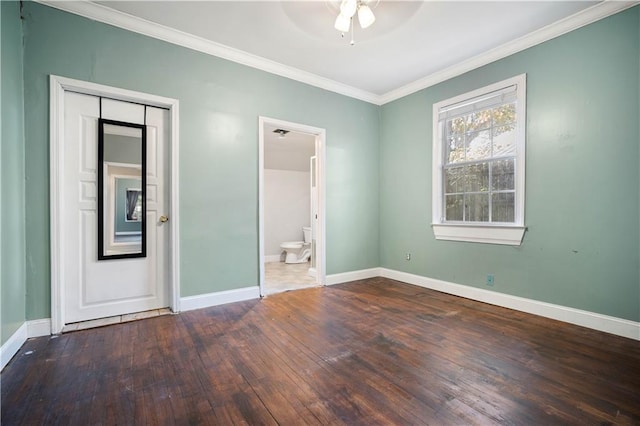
298, 251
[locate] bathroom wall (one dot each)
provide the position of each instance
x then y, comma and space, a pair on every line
287, 199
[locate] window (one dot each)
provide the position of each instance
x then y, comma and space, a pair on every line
478, 164
133, 205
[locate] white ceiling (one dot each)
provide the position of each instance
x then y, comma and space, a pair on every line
410, 44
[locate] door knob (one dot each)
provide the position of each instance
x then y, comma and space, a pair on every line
164, 219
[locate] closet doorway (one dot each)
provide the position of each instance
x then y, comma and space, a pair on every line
291, 206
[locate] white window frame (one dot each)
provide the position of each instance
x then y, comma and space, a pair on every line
480, 232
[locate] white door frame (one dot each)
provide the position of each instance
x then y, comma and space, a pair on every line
320, 136
57, 88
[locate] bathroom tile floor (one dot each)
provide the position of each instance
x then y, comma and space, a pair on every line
280, 276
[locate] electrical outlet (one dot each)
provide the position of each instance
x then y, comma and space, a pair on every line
408, 256
490, 279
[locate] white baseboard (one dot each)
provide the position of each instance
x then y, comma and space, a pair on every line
218, 298
13, 345
28, 329
352, 276
39, 327
608, 324
272, 258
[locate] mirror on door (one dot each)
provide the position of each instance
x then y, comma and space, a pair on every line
121, 190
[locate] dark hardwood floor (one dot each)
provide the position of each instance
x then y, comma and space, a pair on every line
369, 352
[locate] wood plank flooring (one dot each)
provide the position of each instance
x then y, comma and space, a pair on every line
363, 353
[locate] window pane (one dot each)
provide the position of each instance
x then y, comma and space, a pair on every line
456, 125
478, 145
477, 207
454, 178
480, 120
502, 177
504, 140
454, 207
477, 178
454, 143
503, 207
504, 114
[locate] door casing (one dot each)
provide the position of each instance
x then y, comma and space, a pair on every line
320, 136
57, 88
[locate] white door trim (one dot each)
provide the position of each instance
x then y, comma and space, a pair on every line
57, 88
320, 135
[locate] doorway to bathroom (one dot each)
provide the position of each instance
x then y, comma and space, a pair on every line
291, 206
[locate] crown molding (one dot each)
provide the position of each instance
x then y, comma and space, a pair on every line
556, 29
100, 13
128, 22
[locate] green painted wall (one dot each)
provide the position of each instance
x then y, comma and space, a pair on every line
582, 182
12, 232
583, 146
122, 149
220, 102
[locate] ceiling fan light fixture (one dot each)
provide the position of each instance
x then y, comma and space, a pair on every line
348, 8
365, 16
342, 23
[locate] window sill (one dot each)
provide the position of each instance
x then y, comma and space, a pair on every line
489, 234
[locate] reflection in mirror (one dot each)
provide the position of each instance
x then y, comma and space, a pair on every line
121, 190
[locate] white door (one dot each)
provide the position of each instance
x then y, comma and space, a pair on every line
95, 288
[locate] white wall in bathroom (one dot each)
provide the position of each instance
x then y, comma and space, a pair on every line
286, 207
